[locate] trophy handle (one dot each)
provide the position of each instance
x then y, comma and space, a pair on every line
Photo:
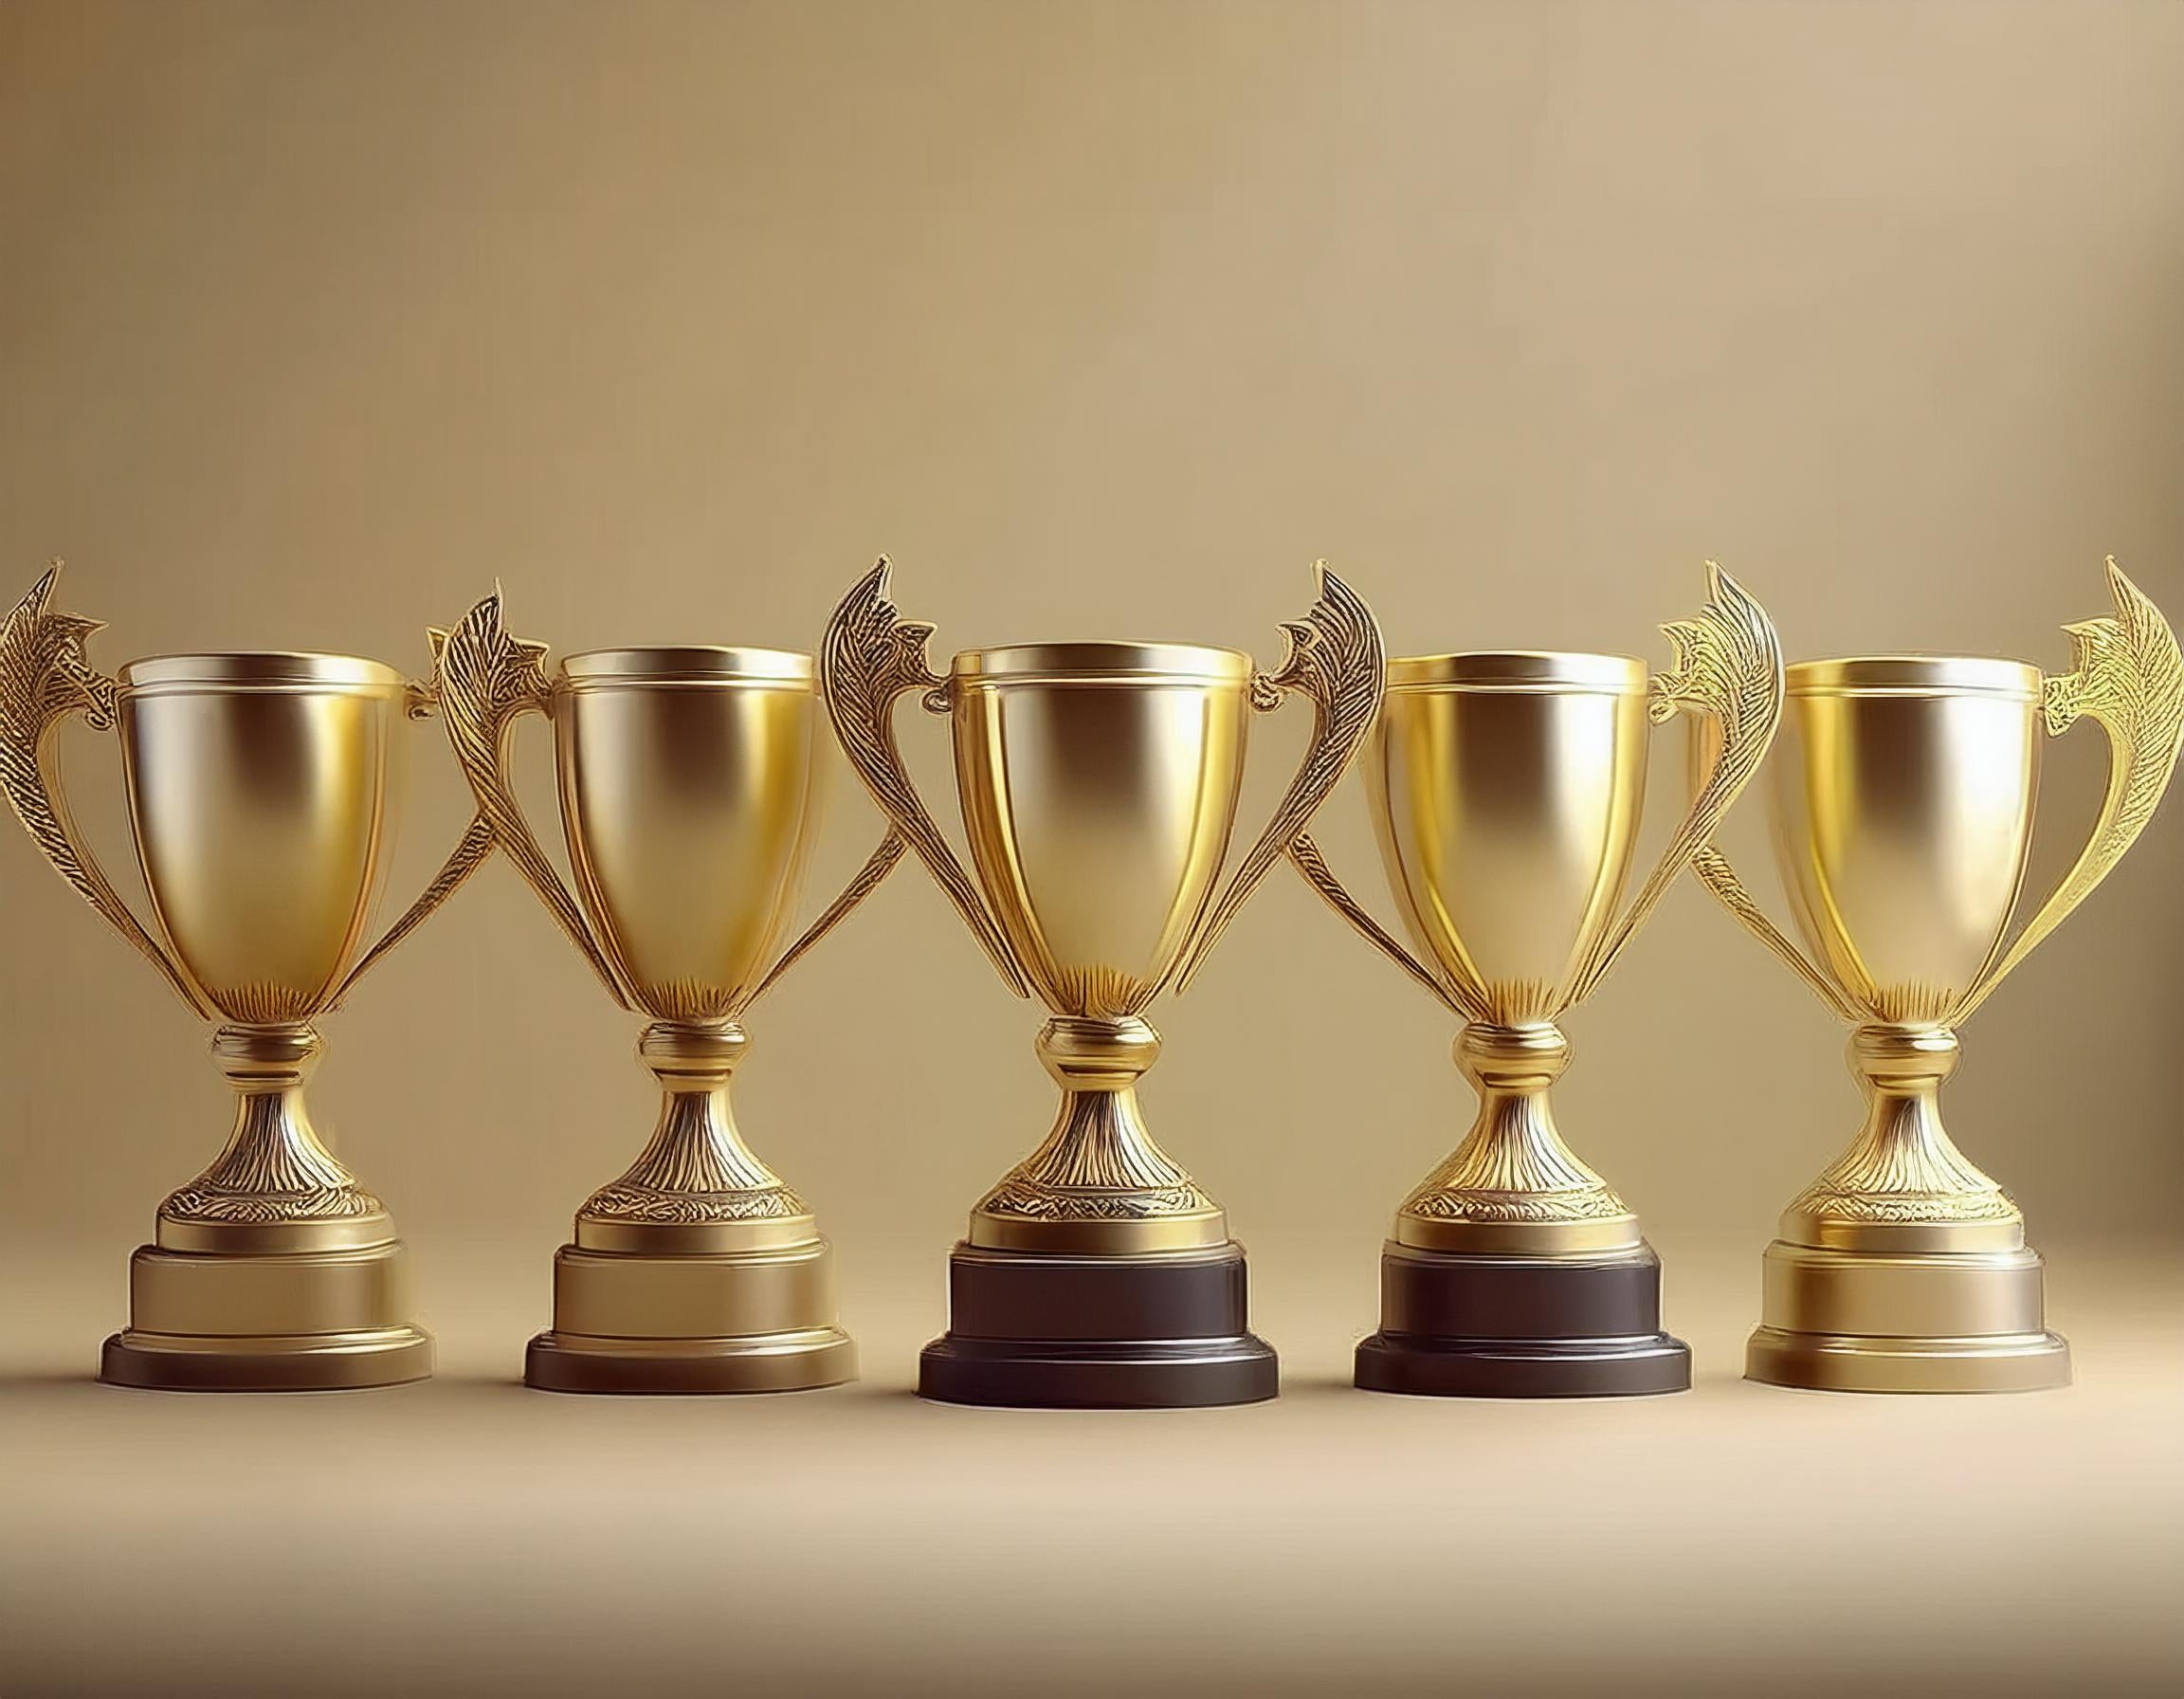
877, 867
1460, 998
869, 657
1718, 876
1336, 659
1728, 668
466, 857
2127, 674
486, 681
44, 677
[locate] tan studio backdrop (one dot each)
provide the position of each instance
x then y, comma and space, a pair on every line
1103, 321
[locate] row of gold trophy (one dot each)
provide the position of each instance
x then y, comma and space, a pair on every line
1098, 784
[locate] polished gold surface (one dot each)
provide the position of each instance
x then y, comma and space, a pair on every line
1903, 812
1098, 784
257, 787
1902, 808
1505, 791
686, 792
688, 803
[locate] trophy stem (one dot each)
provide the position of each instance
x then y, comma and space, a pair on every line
274, 1178
1100, 1185
1903, 1184
696, 1185
1513, 1187
698, 1270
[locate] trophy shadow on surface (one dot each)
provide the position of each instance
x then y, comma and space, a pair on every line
1098, 785
688, 799
1505, 791
1902, 803
258, 791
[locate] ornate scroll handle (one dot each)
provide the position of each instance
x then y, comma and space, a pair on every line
1461, 999
869, 657
1334, 658
486, 681
1718, 876
2127, 674
877, 867
44, 677
467, 857
1728, 668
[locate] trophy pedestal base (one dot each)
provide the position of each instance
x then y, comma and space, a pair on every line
758, 1321
296, 1322
779, 1362
1846, 1363
1521, 1327
1159, 1331
301, 1363
1851, 1321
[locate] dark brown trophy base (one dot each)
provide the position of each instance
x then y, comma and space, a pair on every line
1466, 1326
1028, 1330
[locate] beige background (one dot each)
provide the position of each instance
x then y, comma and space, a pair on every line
1103, 319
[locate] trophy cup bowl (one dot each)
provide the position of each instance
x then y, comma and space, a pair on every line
257, 788
689, 802
1505, 791
1494, 773
1901, 807
1902, 801
1098, 784
258, 793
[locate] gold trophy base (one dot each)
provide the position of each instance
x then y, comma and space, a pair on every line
1944, 1321
734, 1321
320, 1321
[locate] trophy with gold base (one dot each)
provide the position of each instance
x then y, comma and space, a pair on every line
1099, 786
1505, 792
688, 801
1903, 800
258, 797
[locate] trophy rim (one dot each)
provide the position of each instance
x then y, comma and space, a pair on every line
1115, 660
1914, 674
687, 663
1534, 670
244, 669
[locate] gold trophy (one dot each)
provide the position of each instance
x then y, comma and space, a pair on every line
258, 799
688, 804
1505, 791
1902, 801
1099, 786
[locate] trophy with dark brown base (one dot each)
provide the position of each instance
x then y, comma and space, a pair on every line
1506, 789
1099, 786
